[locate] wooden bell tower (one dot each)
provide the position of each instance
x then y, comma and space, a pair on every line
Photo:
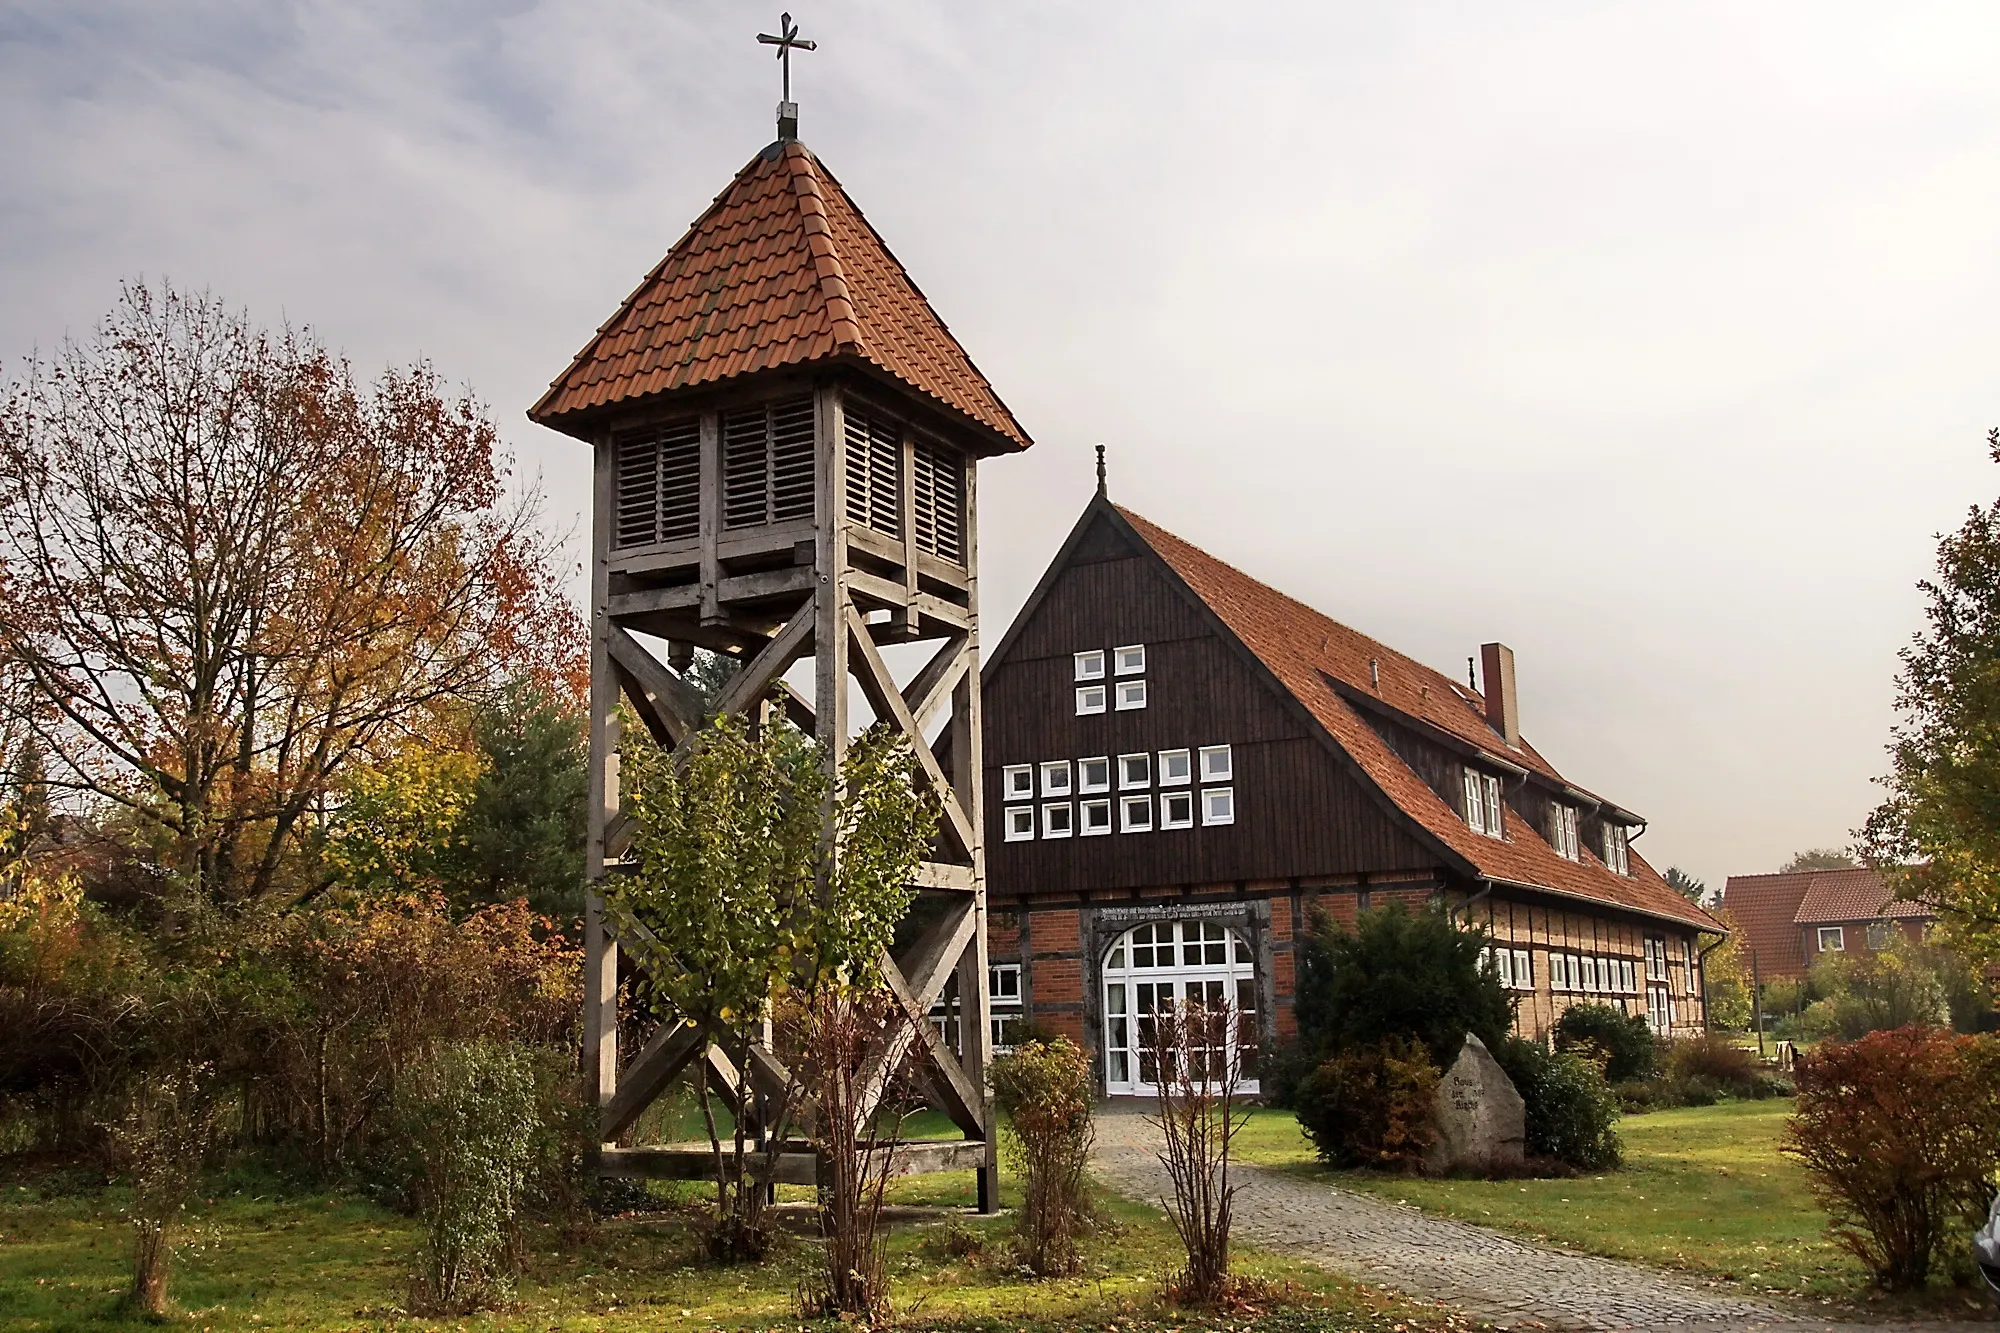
786, 442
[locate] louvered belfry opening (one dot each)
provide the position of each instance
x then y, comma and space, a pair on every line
874, 470
767, 463
658, 483
876, 455
938, 478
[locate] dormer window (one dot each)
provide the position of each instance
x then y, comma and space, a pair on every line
1562, 830
1617, 855
1482, 804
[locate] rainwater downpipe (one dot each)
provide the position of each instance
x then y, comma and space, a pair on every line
1701, 962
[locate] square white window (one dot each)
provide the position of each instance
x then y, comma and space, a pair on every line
1131, 695
1020, 823
1524, 970
1135, 814
1131, 659
1093, 774
1096, 817
1176, 809
1218, 805
1176, 768
1215, 764
1058, 819
1134, 770
1017, 782
1055, 777
1003, 981
1090, 665
1832, 939
1089, 699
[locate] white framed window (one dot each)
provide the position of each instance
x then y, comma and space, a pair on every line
1630, 975
1135, 814
1017, 782
1562, 830
1058, 819
1832, 939
1090, 665
1089, 699
1176, 809
1878, 934
1589, 974
1093, 775
1134, 770
1094, 817
1055, 777
1482, 804
1020, 823
1176, 768
1218, 805
1130, 660
1656, 958
1131, 695
1215, 766
1617, 854
1003, 986
1574, 965
1524, 970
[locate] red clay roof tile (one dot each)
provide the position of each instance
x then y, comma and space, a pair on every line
781, 270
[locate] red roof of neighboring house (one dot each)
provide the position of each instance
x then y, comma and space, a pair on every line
1841, 895
1304, 648
782, 270
1762, 907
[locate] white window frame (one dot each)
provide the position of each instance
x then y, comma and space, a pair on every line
1084, 786
1839, 944
1083, 810
1182, 798
1562, 830
1496, 816
1126, 782
1617, 849
1590, 986
1019, 823
1058, 819
1063, 783
1129, 668
1003, 1007
1090, 700
1475, 802
1133, 802
1630, 973
1017, 782
1524, 969
1169, 758
1131, 695
1210, 816
1217, 764
1090, 664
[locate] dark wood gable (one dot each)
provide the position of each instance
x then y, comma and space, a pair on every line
1299, 810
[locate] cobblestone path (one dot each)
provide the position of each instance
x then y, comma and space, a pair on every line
1489, 1274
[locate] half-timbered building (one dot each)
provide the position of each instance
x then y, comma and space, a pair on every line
1181, 763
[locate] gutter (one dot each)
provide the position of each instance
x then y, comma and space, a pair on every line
1467, 905
1701, 961
1683, 922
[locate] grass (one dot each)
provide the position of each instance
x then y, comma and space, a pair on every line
318, 1261
1703, 1190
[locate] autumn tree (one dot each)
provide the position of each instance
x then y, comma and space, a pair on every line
229, 568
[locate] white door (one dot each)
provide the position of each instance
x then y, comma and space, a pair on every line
1163, 964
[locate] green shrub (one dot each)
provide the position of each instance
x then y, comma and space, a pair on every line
1044, 1089
1398, 973
1900, 1132
1623, 1040
1371, 1105
465, 1126
1571, 1111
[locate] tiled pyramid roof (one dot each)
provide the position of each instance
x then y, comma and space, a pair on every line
1303, 649
781, 270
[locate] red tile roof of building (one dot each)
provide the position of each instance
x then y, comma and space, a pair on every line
782, 270
1762, 906
1304, 648
1851, 895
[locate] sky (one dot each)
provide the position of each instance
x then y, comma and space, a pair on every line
1657, 341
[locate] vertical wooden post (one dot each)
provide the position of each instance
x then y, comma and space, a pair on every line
600, 951
969, 763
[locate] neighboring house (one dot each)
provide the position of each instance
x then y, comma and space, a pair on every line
1181, 763
1789, 920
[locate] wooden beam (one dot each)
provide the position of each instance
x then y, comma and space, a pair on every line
796, 1165
736, 588
887, 701
656, 1065
663, 701
931, 687
786, 647
946, 876
964, 1102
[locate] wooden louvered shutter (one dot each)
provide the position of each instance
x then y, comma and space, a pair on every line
874, 471
792, 441
746, 468
938, 487
657, 472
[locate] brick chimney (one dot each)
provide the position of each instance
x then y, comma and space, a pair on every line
1503, 704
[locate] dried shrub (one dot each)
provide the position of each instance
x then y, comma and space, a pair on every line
162, 1142
1900, 1132
1371, 1106
1198, 1072
1044, 1089
466, 1125
1621, 1042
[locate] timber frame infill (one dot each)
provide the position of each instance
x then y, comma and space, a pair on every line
768, 596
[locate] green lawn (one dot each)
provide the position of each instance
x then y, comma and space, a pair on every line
1703, 1189
314, 1261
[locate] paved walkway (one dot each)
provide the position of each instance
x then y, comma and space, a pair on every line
1489, 1274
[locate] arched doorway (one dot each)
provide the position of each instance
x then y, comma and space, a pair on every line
1163, 963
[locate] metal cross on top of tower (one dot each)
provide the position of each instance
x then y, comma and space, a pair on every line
787, 38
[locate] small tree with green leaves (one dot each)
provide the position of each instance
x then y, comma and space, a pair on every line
1398, 973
